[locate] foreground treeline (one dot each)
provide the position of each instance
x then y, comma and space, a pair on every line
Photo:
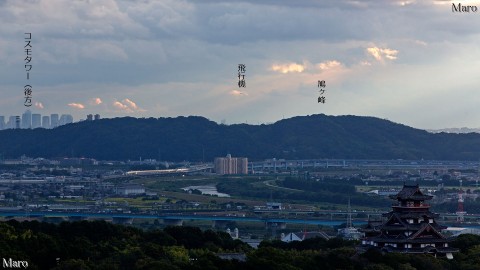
101, 245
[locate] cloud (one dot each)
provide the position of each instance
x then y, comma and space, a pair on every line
329, 65
121, 106
127, 105
39, 105
238, 93
405, 3
421, 42
163, 42
381, 54
103, 50
76, 105
96, 101
286, 68
131, 104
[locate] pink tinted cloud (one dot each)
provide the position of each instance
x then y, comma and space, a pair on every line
39, 105
77, 105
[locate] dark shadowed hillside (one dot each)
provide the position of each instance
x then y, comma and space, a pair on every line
189, 138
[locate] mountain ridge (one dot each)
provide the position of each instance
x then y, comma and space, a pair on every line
195, 138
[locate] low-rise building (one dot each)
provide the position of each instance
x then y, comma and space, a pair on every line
128, 190
300, 236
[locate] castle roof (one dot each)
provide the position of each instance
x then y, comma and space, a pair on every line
410, 227
411, 193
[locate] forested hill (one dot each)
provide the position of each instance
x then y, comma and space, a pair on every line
192, 138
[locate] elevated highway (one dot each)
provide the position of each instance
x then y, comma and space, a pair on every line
177, 219
191, 169
172, 219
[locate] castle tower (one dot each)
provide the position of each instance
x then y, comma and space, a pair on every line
410, 227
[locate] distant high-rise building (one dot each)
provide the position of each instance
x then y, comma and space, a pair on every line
46, 121
36, 120
17, 121
53, 120
65, 119
97, 116
2, 122
229, 165
89, 117
27, 119
11, 122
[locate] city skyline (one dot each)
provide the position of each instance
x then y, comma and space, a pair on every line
386, 59
29, 120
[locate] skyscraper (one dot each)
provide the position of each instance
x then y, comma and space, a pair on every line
46, 121
17, 121
65, 119
2, 122
27, 119
54, 120
36, 120
11, 122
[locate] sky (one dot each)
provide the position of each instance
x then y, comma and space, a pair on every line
413, 62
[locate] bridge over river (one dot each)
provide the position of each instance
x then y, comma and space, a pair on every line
217, 220
169, 219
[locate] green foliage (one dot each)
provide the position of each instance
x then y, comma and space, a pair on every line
376, 266
7, 232
196, 138
309, 191
177, 255
466, 241
78, 244
406, 266
319, 186
101, 245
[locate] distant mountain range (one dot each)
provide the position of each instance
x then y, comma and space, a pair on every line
455, 130
196, 138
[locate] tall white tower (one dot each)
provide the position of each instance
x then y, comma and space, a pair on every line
460, 211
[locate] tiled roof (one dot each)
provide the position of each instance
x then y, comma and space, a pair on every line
411, 192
